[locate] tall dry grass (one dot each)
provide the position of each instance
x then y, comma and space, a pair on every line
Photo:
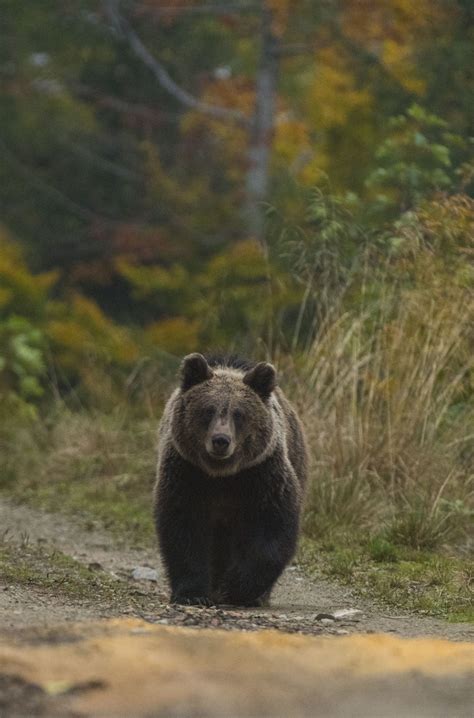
386, 398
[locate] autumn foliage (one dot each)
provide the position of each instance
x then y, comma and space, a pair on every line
137, 138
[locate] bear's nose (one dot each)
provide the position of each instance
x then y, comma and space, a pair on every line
220, 443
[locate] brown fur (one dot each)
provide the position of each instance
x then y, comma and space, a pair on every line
228, 523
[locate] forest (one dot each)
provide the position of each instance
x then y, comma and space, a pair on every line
287, 180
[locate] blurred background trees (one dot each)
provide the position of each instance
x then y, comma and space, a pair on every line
287, 180
160, 160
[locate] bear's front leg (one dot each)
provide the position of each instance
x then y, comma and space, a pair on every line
185, 551
264, 537
257, 565
184, 539
249, 580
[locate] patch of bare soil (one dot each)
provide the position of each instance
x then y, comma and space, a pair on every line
298, 604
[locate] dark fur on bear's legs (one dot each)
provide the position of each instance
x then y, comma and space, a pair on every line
184, 533
231, 556
256, 565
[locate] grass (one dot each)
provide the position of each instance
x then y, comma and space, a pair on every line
93, 466
387, 400
102, 467
405, 579
386, 397
54, 572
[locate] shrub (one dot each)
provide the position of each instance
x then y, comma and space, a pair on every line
389, 413
415, 160
22, 365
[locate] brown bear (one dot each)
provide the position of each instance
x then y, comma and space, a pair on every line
231, 475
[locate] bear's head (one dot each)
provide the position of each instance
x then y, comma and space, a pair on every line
224, 419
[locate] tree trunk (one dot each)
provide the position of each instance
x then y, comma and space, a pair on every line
261, 131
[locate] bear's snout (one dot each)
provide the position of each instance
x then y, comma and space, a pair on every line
220, 444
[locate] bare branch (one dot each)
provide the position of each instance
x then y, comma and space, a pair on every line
124, 29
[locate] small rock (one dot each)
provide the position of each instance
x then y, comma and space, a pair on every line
327, 621
342, 632
95, 566
322, 616
346, 613
145, 573
56, 688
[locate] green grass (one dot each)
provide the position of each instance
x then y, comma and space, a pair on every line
115, 507
94, 467
54, 572
425, 582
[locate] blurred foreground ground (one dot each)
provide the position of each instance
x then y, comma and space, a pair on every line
128, 667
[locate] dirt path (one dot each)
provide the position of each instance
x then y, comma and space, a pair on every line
298, 604
80, 637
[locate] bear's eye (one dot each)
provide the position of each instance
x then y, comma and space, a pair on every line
238, 414
208, 412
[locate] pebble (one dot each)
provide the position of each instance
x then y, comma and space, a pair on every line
145, 573
346, 613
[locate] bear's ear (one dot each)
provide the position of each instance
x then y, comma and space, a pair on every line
262, 379
194, 370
